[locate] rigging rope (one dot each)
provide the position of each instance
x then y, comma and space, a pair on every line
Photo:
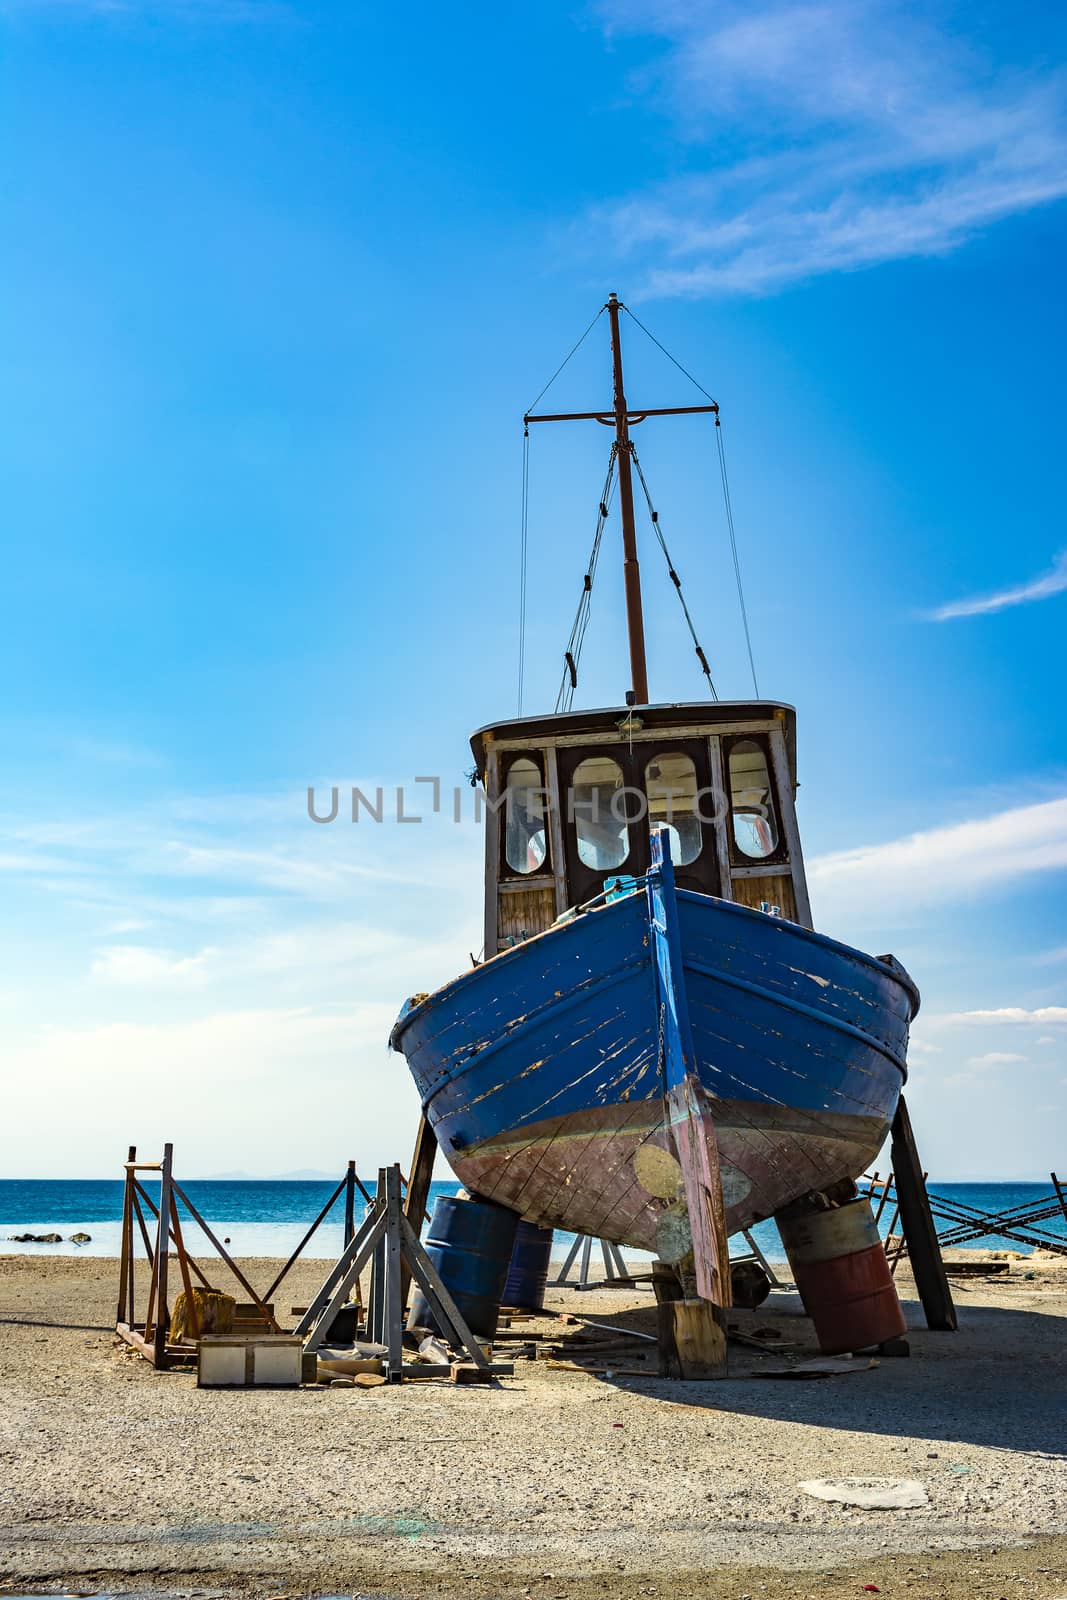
573, 652
733, 548
572, 352
685, 373
675, 579
725, 489
525, 519
522, 562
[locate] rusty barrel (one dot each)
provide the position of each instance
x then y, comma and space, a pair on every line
841, 1271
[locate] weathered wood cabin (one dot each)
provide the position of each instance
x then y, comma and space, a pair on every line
571, 798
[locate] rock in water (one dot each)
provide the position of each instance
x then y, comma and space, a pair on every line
80, 1238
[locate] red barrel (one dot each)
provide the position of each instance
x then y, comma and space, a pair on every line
841, 1270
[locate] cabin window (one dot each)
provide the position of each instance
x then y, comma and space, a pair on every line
525, 844
755, 828
598, 811
671, 787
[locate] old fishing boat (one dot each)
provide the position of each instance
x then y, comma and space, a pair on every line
658, 1048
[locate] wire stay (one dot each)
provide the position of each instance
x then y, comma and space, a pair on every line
524, 544
573, 652
733, 551
675, 579
571, 353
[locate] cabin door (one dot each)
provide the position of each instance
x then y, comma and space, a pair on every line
610, 795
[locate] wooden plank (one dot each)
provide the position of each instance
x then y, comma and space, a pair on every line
337, 1272
163, 1256
761, 872
722, 821
787, 809
350, 1207
917, 1221
141, 1193
555, 830
492, 850
599, 1372
689, 1106
362, 1248
693, 1131
124, 1311
692, 1339
646, 735
191, 1313
976, 1269
417, 1197
394, 1300
230, 1262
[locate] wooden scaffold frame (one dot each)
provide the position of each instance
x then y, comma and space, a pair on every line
150, 1336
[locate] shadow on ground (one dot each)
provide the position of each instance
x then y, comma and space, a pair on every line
1000, 1381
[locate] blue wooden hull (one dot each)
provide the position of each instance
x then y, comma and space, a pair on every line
545, 1072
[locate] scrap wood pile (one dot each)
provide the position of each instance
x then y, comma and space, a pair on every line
571, 1343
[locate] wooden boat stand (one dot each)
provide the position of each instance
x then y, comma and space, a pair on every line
152, 1336
388, 1241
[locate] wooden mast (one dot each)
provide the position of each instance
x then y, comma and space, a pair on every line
623, 418
635, 622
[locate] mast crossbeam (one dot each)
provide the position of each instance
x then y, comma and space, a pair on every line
609, 419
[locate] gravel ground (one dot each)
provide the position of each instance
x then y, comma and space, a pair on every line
553, 1483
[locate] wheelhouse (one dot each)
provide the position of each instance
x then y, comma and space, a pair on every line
571, 798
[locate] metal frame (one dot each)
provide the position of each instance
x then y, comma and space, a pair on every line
388, 1239
151, 1337
618, 1274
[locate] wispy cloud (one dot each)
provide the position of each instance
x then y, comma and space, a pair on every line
996, 1058
858, 134
944, 864
994, 1016
133, 965
1050, 583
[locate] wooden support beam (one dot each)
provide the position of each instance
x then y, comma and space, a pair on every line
920, 1232
138, 1191
395, 1298
124, 1311
192, 1316
418, 1194
1061, 1194
162, 1322
330, 1296
692, 1339
264, 1310
350, 1209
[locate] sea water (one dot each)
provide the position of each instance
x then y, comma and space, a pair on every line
261, 1217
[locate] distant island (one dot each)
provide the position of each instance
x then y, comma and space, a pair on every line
301, 1175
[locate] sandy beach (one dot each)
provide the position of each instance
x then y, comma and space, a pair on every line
552, 1484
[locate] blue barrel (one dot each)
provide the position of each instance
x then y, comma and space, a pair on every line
470, 1244
528, 1273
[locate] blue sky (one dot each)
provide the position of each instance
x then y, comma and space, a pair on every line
278, 282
